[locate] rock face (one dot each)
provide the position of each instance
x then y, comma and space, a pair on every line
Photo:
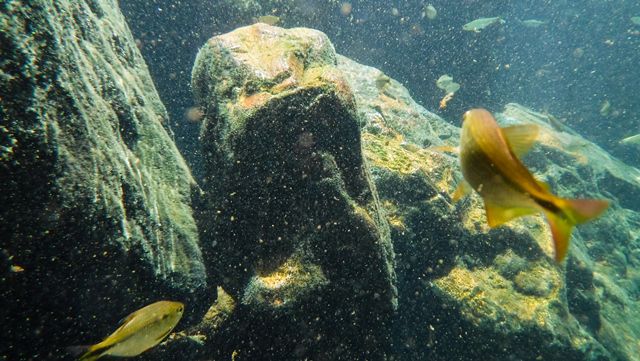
289, 192
292, 227
95, 215
470, 293
324, 216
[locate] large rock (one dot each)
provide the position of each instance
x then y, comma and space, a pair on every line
467, 292
292, 227
95, 215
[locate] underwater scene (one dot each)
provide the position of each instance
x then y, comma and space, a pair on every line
320, 180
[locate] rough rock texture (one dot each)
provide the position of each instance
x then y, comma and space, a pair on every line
470, 293
95, 216
292, 227
325, 218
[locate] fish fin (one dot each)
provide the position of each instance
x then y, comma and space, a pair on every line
161, 337
583, 210
573, 211
77, 350
128, 318
123, 322
544, 186
561, 229
87, 352
521, 137
462, 190
497, 215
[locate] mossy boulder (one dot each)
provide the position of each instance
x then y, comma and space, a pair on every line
291, 225
95, 214
467, 292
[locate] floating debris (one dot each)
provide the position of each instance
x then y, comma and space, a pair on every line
429, 12
533, 23
446, 99
16, 269
446, 83
477, 25
194, 114
269, 19
578, 52
605, 108
346, 8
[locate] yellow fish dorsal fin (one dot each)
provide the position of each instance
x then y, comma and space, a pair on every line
521, 137
462, 190
116, 335
497, 215
127, 319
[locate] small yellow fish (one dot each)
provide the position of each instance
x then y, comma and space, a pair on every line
139, 331
490, 165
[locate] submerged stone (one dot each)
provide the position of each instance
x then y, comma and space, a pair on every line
470, 292
95, 197
292, 228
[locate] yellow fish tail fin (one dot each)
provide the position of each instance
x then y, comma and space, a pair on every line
561, 229
88, 353
573, 211
584, 210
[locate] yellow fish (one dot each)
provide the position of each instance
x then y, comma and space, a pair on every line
139, 331
490, 165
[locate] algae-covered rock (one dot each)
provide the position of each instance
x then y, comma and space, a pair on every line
602, 276
292, 226
95, 218
467, 292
